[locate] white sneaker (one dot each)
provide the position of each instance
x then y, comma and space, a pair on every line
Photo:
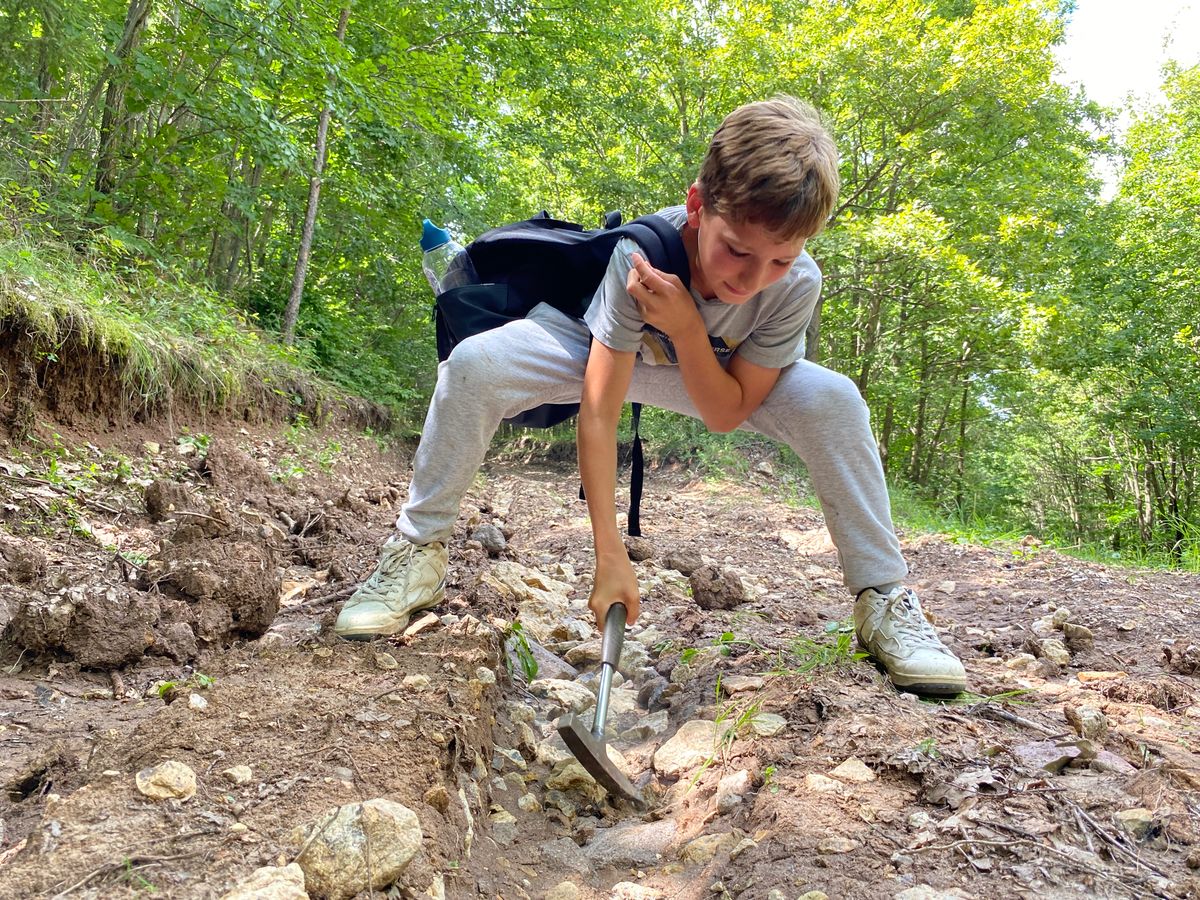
892, 627
409, 577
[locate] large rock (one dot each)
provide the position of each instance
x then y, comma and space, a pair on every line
631, 845
691, 746
634, 656
335, 862
569, 695
271, 883
542, 600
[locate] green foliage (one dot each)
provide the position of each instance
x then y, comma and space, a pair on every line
1028, 349
524, 652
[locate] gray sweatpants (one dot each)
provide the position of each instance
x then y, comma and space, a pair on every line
541, 359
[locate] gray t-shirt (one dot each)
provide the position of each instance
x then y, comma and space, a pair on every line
767, 330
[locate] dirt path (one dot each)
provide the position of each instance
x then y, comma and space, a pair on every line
780, 766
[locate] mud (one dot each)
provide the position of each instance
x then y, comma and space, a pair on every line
174, 606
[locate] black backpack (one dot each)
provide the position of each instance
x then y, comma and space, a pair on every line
543, 259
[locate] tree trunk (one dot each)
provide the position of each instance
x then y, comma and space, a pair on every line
292, 313
135, 21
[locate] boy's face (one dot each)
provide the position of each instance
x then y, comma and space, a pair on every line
735, 260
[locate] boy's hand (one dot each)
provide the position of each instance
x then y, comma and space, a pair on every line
615, 582
662, 299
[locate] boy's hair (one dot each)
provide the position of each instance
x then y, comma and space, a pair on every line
774, 164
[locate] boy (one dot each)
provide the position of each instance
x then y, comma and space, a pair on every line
729, 352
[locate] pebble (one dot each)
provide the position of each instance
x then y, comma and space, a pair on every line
628, 890
704, 848
834, 845
504, 758
1078, 637
1021, 661
731, 789
567, 694
742, 846
170, 780
501, 816
821, 784
426, 621
271, 883
239, 774
484, 675
1088, 721
647, 726
631, 844
529, 803
1088, 677
564, 890
854, 770
918, 820
1056, 651
925, 892
1136, 822
1060, 616
490, 538
768, 724
415, 682
813, 895
740, 684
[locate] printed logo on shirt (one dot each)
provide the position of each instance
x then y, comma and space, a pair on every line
657, 349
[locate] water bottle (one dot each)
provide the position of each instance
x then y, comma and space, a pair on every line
444, 261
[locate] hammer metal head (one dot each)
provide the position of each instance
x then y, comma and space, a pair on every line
592, 753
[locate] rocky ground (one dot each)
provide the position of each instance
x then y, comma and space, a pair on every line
176, 716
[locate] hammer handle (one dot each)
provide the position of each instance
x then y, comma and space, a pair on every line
610, 655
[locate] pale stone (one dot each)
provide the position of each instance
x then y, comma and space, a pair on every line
1060, 616
854, 770
1021, 661
415, 682
386, 662
564, 890
542, 601
1088, 721
634, 656
501, 816
505, 757
1088, 677
631, 844
335, 863
572, 776
271, 883
552, 753
567, 694
834, 844
1055, 651
704, 848
529, 803
821, 784
484, 675
197, 703
628, 890
239, 828
768, 724
691, 746
731, 789
947, 587
239, 774
925, 892
740, 684
1135, 821
918, 820
647, 726
1078, 637
741, 847
170, 780
426, 621
813, 895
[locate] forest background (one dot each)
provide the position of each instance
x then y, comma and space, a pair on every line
202, 189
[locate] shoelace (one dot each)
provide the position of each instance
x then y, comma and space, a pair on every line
390, 564
910, 621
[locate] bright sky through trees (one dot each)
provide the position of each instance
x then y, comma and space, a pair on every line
1115, 47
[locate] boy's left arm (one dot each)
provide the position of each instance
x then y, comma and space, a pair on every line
724, 397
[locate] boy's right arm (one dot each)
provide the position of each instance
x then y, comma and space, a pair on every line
605, 384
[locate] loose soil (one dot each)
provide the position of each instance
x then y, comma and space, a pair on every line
169, 595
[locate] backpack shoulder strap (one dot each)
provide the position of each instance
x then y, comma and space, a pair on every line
663, 245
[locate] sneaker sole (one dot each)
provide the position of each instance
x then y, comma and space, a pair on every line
931, 687
363, 635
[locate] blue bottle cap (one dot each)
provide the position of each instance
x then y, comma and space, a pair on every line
432, 236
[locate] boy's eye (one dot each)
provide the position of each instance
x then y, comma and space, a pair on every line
733, 251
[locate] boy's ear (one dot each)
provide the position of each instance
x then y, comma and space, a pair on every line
695, 203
